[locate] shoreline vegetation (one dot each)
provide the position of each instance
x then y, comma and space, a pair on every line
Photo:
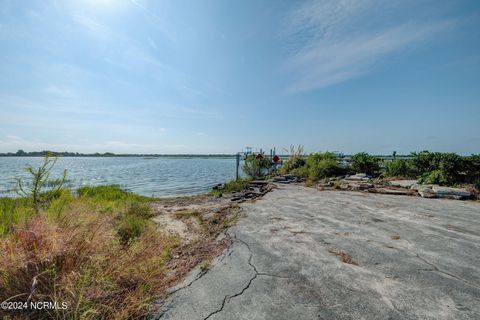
105, 252
110, 253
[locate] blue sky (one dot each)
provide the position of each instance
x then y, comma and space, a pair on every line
215, 76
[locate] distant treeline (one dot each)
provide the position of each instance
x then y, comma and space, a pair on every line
21, 153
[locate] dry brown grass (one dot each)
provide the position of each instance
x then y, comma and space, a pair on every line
79, 259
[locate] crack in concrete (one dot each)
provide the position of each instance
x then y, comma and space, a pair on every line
436, 269
228, 252
227, 298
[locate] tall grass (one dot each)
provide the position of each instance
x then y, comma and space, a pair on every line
103, 263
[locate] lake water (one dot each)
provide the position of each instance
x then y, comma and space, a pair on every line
160, 177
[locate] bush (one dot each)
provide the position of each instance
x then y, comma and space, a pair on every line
297, 160
364, 163
397, 168
453, 167
292, 163
322, 165
435, 177
472, 164
256, 166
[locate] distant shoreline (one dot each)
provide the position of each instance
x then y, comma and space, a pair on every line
113, 155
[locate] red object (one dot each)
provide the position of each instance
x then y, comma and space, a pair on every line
276, 158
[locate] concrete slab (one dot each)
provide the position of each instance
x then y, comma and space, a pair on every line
403, 183
301, 253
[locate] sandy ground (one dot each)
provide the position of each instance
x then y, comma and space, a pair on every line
301, 253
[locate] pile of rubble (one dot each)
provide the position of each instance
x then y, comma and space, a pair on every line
365, 182
256, 189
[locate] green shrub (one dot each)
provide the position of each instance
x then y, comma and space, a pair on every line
292, 163
301, 172
296, 160
397, 168
364, 163
472, 164
452, 166
256, 166
322, 165
435, 177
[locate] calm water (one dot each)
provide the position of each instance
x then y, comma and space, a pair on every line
161, 177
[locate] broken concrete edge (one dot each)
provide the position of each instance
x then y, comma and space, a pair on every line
197, 273
253, 192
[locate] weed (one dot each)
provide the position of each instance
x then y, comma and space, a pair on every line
205, 266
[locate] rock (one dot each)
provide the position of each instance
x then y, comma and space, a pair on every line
327, 184
344, 186
453, 193
435, 191
359, 186
359, 177
403, 183
258, 182
405, 192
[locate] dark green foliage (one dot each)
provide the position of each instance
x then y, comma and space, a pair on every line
436, 168
364, 163
473, 169
453, 167
256, 167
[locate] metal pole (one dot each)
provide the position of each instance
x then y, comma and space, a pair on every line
238, 164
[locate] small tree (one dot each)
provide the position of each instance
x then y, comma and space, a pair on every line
364, 163
40, 179
256, 165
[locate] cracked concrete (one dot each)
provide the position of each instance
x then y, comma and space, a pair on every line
417, 259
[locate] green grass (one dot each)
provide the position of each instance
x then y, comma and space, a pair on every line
110, 193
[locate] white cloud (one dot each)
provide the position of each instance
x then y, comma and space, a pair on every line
340, 40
